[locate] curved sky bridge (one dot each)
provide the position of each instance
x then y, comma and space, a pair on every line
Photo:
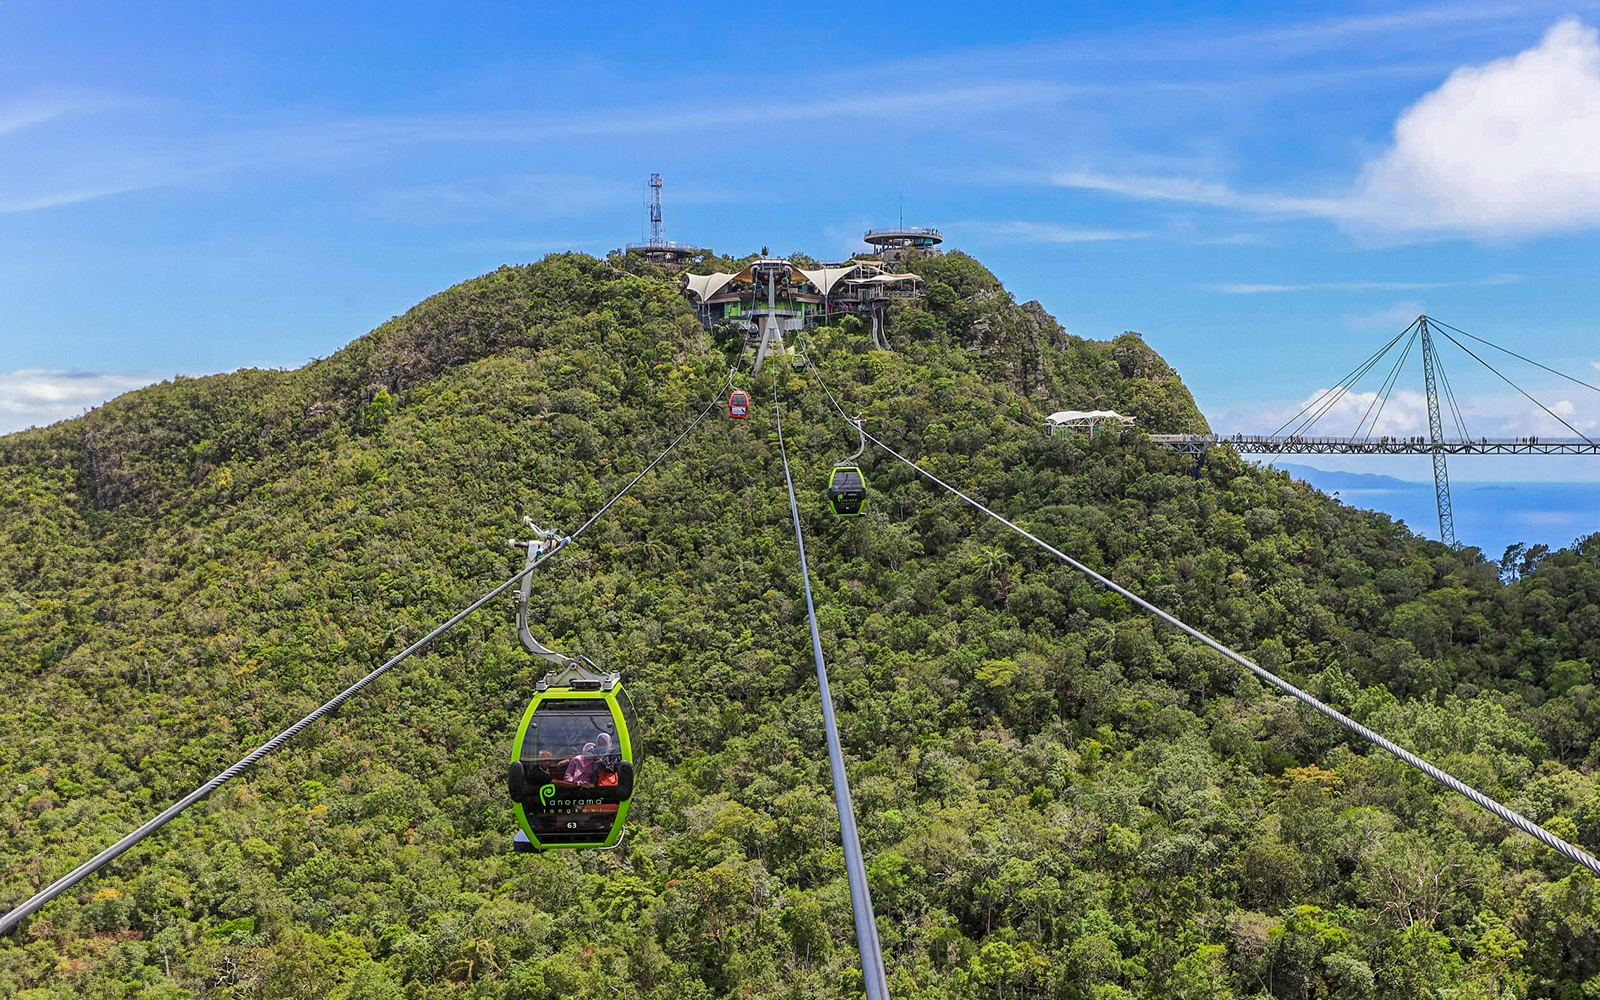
1262, 444
1365, 440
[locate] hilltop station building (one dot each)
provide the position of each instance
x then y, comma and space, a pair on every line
771, 296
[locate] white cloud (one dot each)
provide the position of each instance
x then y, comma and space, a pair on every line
1249, 288
20, 114
1504, 150
1195, 192
1510, 148
36, 397
1405, 414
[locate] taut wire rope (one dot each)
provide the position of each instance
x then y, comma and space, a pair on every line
1507, 815
22, 911
871, 950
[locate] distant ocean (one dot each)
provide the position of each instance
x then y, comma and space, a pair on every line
1490, 516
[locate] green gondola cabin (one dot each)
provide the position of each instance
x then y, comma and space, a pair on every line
847, 491
572, 765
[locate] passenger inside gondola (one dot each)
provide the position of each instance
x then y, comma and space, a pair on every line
570, 743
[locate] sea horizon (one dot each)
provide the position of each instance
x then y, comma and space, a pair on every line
1488, 515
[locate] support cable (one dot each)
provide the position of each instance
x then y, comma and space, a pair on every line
1310, 422
1507, 815
1362, 368
22, 911
1514, 354
1450, 395
1387, 387
872, 970
1515, 386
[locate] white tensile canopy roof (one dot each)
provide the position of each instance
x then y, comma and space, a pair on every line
824, 278
703, 286
1086, 416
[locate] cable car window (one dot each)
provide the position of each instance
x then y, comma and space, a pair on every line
847, 479
635, 744
574, 743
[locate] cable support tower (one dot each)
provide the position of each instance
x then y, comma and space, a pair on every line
12, 919
1509, 816
871, 950
1441, 472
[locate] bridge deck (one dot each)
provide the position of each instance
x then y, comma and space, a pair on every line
1255, 444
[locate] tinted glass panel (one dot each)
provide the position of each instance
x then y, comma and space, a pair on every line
847, 479
573, 743
574, 749
635, 743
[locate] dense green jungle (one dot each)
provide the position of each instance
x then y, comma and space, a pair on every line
1058, 797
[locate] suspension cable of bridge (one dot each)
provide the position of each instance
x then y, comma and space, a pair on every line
1328, 397
872, 969
1515, 386
22, 911
1388, 387
1514, 354
1572, 852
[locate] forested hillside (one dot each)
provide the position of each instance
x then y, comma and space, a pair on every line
1057, 797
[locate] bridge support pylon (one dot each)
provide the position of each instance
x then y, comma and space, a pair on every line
1441, 474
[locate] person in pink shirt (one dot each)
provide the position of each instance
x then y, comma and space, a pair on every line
581, 770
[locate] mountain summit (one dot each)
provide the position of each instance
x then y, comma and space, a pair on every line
1057, 796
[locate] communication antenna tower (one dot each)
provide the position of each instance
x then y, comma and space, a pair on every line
657, 249
655, 207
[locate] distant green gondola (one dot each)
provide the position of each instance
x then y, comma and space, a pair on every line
847, 486
847, 491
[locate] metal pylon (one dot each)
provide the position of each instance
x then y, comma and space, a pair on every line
771, 332
1441, 474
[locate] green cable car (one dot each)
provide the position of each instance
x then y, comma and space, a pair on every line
847, 491
571, 772
847, 486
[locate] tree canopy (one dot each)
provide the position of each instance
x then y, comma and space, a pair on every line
1058, 797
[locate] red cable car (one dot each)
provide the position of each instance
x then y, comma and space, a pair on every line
738, 404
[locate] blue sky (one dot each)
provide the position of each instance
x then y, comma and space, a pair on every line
1266, 192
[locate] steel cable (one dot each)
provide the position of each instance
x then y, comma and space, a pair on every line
1388, 387
1509, 816
1353, 376
14, 917
1515, 386
1514, 354
855, 868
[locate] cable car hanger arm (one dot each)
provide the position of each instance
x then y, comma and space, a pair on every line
540, 547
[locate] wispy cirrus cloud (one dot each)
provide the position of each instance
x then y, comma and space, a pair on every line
1193, 191
1045, 232
21, 113
1270, 288
1397, 316
36, 397
110, 159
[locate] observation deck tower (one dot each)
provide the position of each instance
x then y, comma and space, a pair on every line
895, 245
658, 249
